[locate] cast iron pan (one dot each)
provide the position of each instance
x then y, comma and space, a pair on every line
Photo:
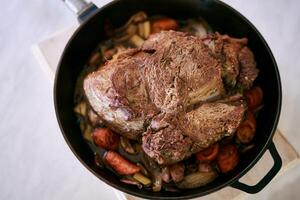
223, 19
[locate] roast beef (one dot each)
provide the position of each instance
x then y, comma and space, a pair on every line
171, 89
170, 70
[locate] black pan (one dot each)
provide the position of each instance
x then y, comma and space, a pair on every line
223, 19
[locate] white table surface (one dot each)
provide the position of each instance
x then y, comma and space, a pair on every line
35, 162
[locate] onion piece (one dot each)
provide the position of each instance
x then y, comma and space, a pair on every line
165, 174
94, 118
138, 17
142, 179
131, 181
154, 169
120, 49
136, 40
157, 182
130, 28
197, 179
141, 29
146, 29
143, 169
81, 109
197, 27
205, 167
200, 30
126, 145
128, 33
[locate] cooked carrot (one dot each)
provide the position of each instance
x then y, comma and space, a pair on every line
254, 97
120, 164
105, 138
247, 129
209, 154
228, 158
163, 24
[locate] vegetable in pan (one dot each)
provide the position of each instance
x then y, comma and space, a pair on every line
180, 145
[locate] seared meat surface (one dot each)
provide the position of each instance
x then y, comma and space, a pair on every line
129, 90
118, 94
212, 121
181, 71
170, 138
238, 63
167, 145
152, 89
248, 70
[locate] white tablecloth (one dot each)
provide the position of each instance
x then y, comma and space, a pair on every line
35, 162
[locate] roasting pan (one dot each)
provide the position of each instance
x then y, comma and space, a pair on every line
223, 19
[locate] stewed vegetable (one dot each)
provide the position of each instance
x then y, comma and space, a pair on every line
105, 138
125, 155
120, 164
228, 158
163, 24
254, 97
208, 154
247, 129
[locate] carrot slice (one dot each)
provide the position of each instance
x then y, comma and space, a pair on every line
163, 24
105, 138
254, 97
209, 154
247, 129
228, 158
120, 164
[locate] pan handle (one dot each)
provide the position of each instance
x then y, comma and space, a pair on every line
81, 8
267, 178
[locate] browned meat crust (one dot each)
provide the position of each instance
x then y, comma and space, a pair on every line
128, 91
119, 94
167, 145
181, 70
212, 121
160, 82
238, 63
248, 70
174, 137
